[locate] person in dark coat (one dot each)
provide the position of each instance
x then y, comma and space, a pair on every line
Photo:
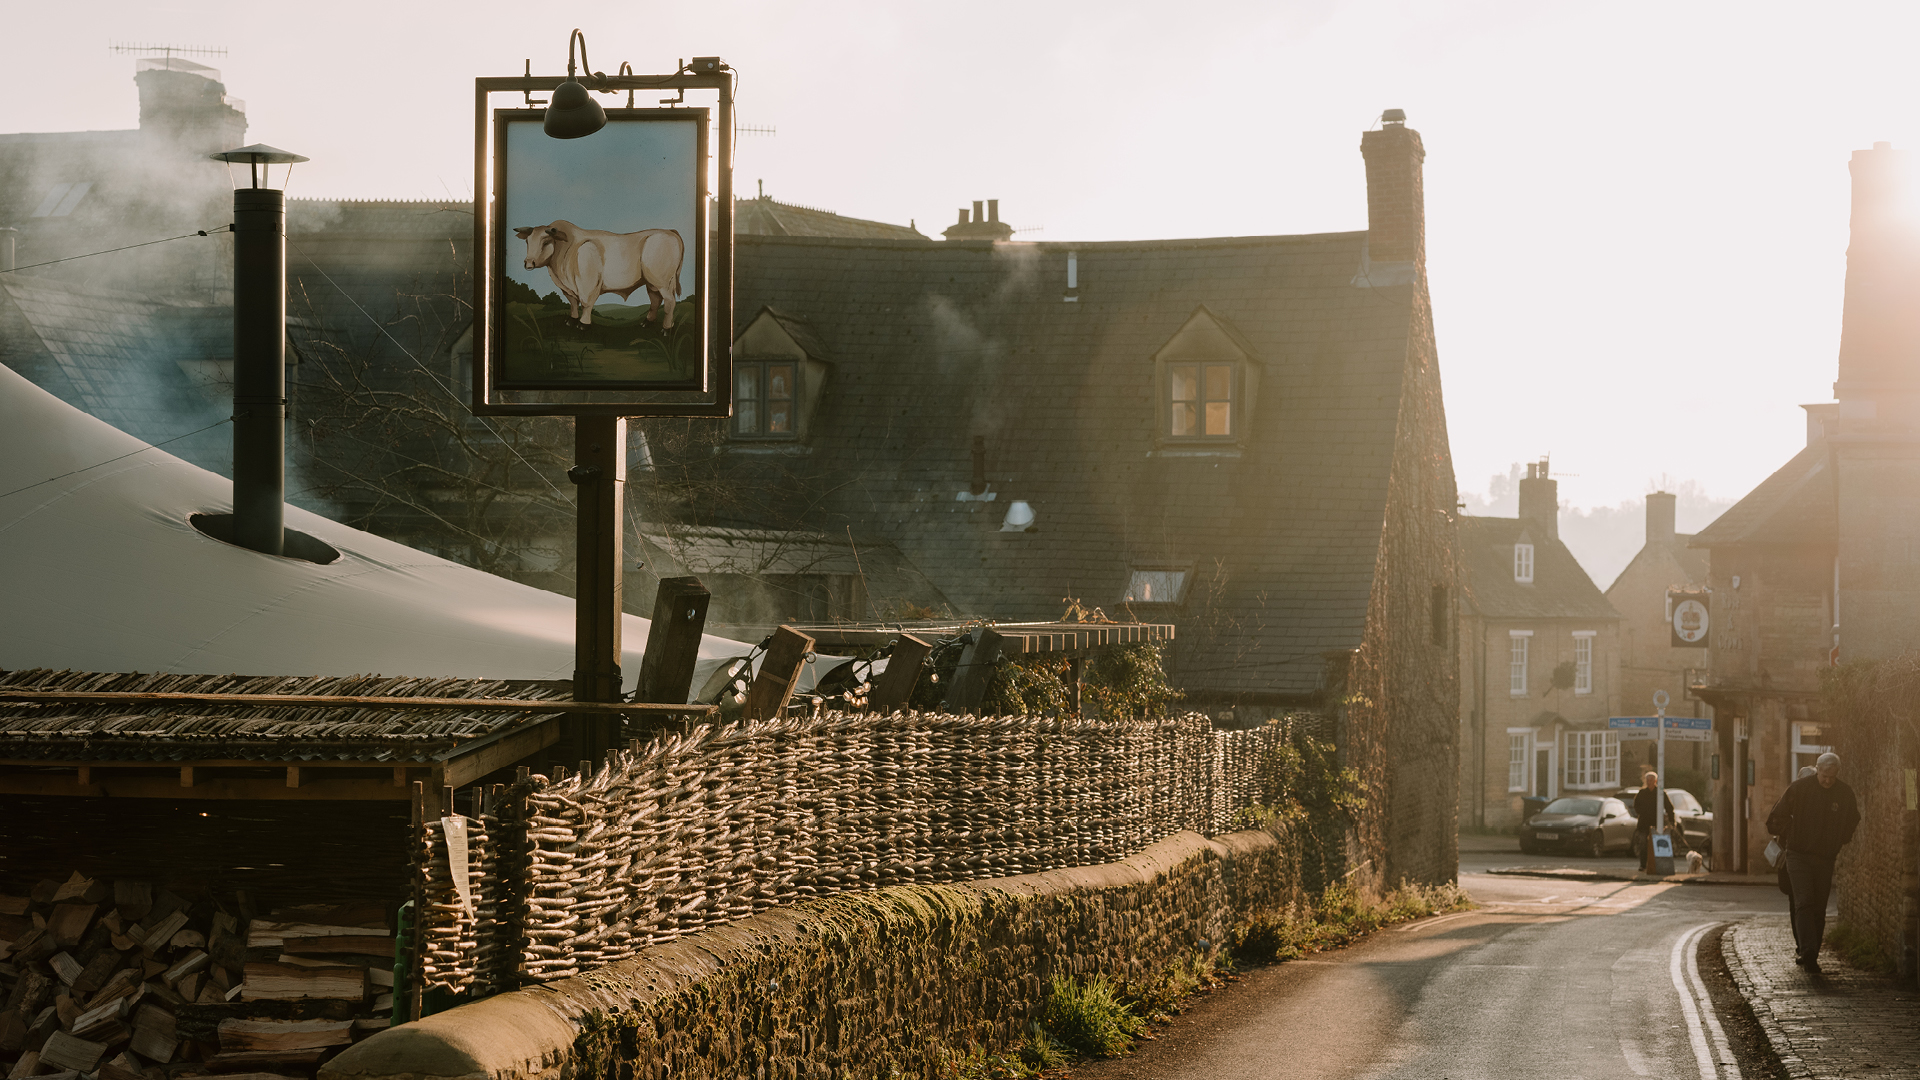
1643, 812
1813, 820
1786, 881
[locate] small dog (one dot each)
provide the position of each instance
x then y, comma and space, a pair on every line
1696, 863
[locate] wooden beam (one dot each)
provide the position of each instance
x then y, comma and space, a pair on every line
975, 671
293, 776
166, 787
673, 642
894, 689
466, 766
86, 775
186, 776
329, 701
399, 776
198, 763
779, 671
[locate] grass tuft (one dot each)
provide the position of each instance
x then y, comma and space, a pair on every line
1089, 1018
1340, 917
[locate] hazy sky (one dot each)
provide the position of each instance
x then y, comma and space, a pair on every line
1637, 212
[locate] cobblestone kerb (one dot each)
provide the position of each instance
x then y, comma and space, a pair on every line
861, 984
1840, 1022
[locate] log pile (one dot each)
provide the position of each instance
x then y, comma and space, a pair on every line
578, 869
123, 980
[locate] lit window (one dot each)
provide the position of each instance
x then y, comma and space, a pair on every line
1593, 759
1155, 586
1583, 662
1523, 563
763, 399
1202, 405
1517, 761
1517, 663
1809, 742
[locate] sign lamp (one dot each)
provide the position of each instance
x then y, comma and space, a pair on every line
572, 113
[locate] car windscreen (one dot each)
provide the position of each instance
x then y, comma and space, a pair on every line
1573, 806
1684, 801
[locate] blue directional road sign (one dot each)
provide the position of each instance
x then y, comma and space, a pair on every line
1679, 728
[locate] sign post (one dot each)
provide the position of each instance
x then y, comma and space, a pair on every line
602, 292
1663, 728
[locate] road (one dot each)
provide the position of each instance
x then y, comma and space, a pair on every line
1546, 978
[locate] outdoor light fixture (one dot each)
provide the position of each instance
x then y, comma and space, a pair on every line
256, 158
572, 113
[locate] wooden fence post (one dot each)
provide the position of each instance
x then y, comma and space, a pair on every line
970, 679
894, 689
779, 671
673, 642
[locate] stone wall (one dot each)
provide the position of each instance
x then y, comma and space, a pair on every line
1877, 877
898, 979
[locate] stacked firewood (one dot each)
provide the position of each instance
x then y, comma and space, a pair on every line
122, 980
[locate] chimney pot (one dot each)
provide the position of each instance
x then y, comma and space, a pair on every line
979, 214
1660, 515
1396, 199
1540, 499
963, 215
993, 209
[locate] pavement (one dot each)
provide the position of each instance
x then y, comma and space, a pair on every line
1493, 854
1837, 1022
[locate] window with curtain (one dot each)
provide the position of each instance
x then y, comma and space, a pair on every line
1201, 401
764, 392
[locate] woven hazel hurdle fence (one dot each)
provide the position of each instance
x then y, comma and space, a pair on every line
570, 872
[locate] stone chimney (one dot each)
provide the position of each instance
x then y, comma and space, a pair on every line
984, 226
185, 105
1396, 199
1660, 508
1540, 498
1880, 324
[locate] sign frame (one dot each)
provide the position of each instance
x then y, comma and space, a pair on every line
694, 248
714, 397
1683, 601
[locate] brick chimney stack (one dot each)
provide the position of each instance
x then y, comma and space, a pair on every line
1660, 515
1396, 199
1880, 324
1540, 499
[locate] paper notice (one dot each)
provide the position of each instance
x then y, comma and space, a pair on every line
455, 830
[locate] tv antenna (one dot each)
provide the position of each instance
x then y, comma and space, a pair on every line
168, 51
749, 129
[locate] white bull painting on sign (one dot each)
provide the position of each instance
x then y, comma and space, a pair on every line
586, 264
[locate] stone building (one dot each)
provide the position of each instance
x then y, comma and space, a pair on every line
1539, 664
1664, 571
1241, 436
1820, 566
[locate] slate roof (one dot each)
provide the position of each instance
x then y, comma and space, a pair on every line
150, 369
769, 217
1793, 506
933, 343
1560, 589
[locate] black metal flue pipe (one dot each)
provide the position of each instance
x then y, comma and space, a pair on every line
259, 368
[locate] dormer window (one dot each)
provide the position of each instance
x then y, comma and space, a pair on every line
777, 376
1205, 378
1523, 563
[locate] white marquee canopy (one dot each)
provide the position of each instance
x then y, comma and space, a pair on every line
100, 570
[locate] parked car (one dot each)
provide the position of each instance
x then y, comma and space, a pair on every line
1585, 824
1696, 821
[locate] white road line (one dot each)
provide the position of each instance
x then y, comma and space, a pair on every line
1723, 1053
1422, 924
1682, 967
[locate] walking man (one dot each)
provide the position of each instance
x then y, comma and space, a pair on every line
1646, 802
1813, 821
